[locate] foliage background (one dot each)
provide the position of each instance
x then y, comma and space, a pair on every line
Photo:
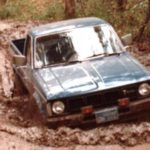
127, 21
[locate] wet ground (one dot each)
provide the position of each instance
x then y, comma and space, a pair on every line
21, 125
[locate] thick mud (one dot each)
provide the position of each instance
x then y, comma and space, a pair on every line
19, 115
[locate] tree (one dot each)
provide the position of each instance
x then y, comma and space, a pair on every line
121, 4
146, 21
70, 11
3, 2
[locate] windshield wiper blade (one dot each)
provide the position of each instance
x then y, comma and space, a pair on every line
111, 54
103, 55
98, 55
74, 61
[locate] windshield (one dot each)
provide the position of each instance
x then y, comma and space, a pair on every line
77, 44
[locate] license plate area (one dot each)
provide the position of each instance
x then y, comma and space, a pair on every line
106, 115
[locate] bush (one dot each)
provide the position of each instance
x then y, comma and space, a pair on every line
9, 10
55, 10
127, 21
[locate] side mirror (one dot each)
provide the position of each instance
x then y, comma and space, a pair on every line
127, 39
19, 60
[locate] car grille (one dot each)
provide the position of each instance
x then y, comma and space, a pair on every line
102, 99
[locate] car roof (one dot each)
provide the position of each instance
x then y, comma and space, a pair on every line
60, 26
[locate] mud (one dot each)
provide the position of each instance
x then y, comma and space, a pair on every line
20, 118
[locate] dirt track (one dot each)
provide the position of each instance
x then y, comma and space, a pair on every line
20, 123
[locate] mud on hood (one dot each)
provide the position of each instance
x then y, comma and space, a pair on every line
90, 76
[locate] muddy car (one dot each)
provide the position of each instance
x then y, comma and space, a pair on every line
78, 71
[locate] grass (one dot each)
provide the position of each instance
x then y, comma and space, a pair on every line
29, 10
9, 10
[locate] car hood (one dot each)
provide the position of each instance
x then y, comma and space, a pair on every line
89, 76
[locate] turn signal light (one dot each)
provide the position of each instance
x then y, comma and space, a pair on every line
87, 110
124, 102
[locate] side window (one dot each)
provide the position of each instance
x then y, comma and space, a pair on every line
28, 50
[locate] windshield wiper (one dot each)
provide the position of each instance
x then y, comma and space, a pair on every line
111, 54
74, 61
97, 55
103, 55
93, 56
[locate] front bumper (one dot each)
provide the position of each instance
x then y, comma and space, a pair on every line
75, 119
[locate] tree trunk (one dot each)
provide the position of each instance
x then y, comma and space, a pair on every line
70, 11
121, 4
3, 2
146, 21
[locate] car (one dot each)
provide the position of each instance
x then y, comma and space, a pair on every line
79, 71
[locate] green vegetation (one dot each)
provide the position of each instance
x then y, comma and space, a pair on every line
128, 20
55, 10
28, 10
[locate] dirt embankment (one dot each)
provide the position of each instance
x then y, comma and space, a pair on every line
18, 119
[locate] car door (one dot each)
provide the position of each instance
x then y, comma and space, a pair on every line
25, 72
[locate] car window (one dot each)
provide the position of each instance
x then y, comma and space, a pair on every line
77, 44
55, 49
93, 41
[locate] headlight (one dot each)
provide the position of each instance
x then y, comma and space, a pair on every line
58, 107
144, 89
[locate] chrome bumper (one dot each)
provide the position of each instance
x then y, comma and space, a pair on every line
79, 118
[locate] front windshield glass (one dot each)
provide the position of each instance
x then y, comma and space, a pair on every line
77, 44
